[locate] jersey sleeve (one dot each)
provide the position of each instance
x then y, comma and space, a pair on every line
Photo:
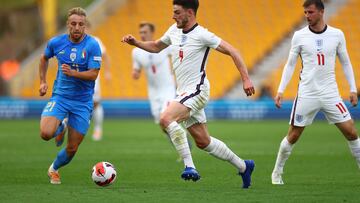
346, 63
49, 49
95, 56
166, 37
136, 64
290, 64
210, 39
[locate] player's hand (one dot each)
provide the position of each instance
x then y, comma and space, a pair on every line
248, 87
129, 39
278, 99
353, 99
66, 69
135, 74
43, 89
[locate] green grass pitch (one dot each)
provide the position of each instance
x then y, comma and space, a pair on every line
321, 167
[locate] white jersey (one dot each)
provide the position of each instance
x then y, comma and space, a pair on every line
318, 51
191, 49
157, 68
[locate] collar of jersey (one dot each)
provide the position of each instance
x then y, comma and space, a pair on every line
191, 29
320, 32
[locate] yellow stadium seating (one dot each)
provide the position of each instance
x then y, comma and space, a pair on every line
254, 27
348, 20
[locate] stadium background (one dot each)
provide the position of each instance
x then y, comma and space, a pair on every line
260, 29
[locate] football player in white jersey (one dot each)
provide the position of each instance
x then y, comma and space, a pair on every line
98, 113
318, 45
192, 43
161, 84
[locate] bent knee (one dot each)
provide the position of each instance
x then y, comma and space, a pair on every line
203, 143
46, 134
71, 150
165, 120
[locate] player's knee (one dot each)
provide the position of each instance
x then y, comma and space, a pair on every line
46, 134
202, 143
165, 120
71, 149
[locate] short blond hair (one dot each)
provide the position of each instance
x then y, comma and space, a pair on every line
77, 11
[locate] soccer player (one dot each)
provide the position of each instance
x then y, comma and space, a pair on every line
192, 44
161, 84
317, 44
98, 115
79, 59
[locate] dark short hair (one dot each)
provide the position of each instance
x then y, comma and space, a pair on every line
188, 4
150, 25
318, 4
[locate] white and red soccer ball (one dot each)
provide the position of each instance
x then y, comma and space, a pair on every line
103, 173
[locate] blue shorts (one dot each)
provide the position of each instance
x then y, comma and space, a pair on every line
78, 112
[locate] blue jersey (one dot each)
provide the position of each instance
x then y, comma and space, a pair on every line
79, 56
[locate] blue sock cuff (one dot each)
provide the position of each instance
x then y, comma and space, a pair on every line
62, 159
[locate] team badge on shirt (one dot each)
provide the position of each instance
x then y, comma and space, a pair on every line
319, 44
183, 39
299, 118
73, 56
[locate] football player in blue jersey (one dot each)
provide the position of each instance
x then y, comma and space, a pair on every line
71, 104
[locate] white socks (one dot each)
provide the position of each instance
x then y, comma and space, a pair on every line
98, 118
219, 150
354, 146
179, 139
283, 155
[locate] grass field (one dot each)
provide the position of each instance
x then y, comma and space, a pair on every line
320, 169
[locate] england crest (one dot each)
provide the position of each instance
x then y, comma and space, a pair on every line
319, 43
299, 118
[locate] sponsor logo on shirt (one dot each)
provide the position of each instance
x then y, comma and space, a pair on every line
62, 52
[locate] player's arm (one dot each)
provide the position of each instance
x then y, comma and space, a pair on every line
43, 66
288, 70
136, 71
227, 49
348, 70
150, 46
90, 74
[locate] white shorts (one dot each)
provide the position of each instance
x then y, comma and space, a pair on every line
158, 106
304, 110
97, 90
196, 101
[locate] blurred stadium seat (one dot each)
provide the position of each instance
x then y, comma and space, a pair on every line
348, 20
254, 27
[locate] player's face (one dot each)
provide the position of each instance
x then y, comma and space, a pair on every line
145, 33
313, 15
76, 25
181, 16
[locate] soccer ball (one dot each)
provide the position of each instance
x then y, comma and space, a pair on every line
103, 173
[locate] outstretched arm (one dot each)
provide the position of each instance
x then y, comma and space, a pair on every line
150, 46
43, 66
227, 49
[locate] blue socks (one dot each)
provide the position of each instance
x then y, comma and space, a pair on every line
62, 159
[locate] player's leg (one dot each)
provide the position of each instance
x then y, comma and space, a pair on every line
217, 148
349, 131
336, 112
98, 118
53, 122
169, 120
303, 114
65, 155
284, 152
79, 122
